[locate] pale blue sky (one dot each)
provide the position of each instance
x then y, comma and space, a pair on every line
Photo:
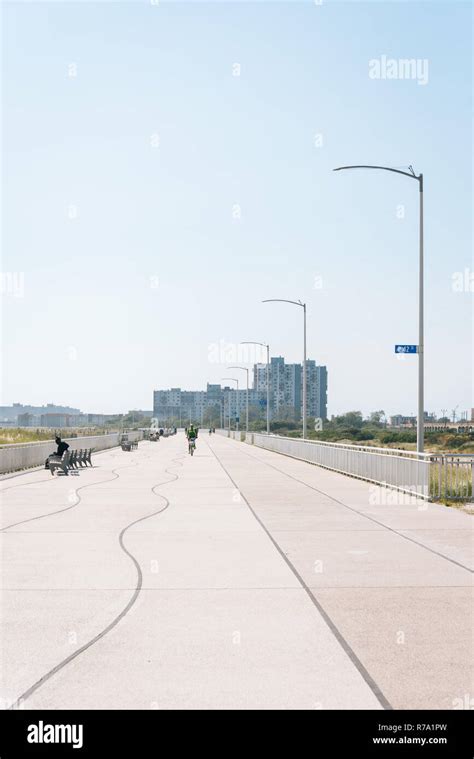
92, 328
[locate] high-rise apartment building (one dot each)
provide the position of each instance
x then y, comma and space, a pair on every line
286, 388
217, 403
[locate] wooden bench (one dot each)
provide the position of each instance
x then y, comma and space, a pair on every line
129, 445
59, 463
72, 460
80, 458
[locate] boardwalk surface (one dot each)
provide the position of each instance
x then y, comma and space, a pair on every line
238, 578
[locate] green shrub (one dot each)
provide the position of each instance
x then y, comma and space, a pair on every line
407, 436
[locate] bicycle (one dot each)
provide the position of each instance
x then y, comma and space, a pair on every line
192, 446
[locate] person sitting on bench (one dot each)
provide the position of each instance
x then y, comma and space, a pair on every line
62, 446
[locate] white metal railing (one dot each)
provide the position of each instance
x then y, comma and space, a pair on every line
221, 431
407, 471
452, 476
404, 470
437, 476
233, 434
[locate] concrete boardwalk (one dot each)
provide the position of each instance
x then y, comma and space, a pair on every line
238, 578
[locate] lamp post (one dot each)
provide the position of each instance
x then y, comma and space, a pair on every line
244, 369
420, 428
265, 345
303, 306
228, 411
233, 379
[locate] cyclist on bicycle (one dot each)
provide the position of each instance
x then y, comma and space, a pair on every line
192, 435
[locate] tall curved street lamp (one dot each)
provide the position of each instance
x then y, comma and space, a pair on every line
303, 306
420, 428
233, 379
265, 345
244, 369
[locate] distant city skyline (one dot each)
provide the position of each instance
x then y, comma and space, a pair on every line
9, 413
56, 416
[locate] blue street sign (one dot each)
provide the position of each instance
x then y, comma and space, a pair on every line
262, 402
406, 349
